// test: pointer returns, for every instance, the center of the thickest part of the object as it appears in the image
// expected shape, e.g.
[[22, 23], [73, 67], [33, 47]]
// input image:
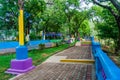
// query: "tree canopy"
[[113, 6], [44, 15]]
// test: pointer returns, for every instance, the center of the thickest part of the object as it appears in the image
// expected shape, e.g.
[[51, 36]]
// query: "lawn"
[[38, 57]]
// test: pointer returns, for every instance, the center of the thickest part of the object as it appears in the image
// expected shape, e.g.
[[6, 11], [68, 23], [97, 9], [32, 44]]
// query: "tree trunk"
[[117, 50], [118, 44], [43, 35], [28, 27], [77, 35]]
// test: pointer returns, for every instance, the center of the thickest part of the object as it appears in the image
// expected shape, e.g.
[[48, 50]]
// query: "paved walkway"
[[53, 69]]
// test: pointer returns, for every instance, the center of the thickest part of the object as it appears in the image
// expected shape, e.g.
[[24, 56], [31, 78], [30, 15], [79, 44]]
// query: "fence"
[[105, 67], [31, 44]]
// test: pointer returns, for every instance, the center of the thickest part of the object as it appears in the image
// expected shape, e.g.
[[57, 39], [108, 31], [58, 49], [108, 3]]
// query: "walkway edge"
[[78, 60]]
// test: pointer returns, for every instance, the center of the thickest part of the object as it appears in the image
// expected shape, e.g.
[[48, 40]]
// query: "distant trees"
[[48, 16]]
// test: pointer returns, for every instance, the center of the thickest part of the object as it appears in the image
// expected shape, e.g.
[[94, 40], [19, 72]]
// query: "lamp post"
[[22, 63]]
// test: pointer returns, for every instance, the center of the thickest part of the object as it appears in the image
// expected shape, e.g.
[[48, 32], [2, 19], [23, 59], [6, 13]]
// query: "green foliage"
[[58, 43], [41, 46], [58, 16], [8, 14], [8, 17], [105, 24], [85, 29], [106, 31], [33, 36], [113, 7], [33, 10]]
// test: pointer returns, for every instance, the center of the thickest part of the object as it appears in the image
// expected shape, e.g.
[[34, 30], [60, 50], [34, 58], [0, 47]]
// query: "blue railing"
[[37, 42], [105, 67], [12, 44]]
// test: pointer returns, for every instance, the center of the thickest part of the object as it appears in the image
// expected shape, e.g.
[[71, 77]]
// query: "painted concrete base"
[[21, 53], [20, 66]]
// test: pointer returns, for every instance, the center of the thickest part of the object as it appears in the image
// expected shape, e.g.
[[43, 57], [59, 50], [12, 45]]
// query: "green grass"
[[58, 40], [4, 65], [38, 57]]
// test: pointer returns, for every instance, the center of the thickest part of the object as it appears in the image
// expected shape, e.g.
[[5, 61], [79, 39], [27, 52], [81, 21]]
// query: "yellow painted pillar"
[[21, 28]]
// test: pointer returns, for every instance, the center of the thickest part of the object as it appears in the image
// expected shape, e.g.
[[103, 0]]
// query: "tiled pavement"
[[59, 71], [81, 52], [55, 70]]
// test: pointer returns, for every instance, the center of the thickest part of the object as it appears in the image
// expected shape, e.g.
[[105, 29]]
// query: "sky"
[[83, 5], [118, 0]]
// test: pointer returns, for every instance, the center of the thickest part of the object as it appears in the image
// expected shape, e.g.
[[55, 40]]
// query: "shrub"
[[58, 43], [41, 46]]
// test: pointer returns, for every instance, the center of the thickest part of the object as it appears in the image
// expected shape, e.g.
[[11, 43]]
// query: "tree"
[[9, 14], [69, 13], [114, 7], [59, 14], [105, 24], [8, 17], [84, 29], [33, 11], [51, 16], [78, 18]]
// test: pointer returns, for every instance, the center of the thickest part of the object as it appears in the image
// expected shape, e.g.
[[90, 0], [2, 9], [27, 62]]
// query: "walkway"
[[53, 69]]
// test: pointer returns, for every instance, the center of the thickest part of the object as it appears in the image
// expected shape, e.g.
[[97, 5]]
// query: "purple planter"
[[20, 66]]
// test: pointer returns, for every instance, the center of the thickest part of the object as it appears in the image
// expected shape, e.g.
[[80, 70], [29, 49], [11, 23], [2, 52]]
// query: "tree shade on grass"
[[38, 57]]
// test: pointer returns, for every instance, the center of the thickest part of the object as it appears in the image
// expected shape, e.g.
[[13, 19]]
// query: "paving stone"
[[54, 70], [82, 52]]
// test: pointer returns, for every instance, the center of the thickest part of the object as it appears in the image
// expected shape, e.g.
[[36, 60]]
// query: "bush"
[[58, 44], [34, 37], [41, 46]]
